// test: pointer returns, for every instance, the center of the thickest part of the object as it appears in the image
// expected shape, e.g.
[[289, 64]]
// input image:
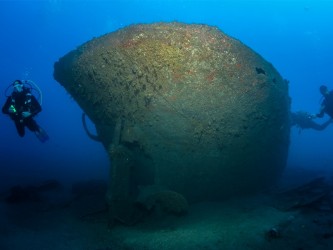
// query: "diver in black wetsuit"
[[304, 120], [327, 103], [22, 106]]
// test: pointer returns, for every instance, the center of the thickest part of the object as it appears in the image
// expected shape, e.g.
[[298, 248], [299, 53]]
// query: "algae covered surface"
[[182, 106]]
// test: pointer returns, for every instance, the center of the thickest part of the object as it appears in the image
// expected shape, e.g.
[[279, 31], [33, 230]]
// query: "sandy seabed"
[[252, 222]]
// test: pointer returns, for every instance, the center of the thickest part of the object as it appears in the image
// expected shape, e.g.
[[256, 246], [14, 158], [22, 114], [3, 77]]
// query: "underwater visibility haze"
[[294, 36], [294, 39]]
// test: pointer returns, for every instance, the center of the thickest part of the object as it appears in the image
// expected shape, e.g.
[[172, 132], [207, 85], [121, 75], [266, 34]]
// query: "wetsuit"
[[22, 102], [327, 105]]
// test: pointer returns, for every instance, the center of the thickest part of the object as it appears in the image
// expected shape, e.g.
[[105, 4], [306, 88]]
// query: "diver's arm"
[[5, 108], [322, 112], [325, 124], [35, 106], [321, 127]]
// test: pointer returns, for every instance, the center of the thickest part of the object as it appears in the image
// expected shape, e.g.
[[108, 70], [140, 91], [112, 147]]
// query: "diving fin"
[[42, 135]]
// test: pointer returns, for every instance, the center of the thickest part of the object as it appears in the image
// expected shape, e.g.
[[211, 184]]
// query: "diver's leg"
[[31, 124], [39, 132], [19, 127], [317, 126]]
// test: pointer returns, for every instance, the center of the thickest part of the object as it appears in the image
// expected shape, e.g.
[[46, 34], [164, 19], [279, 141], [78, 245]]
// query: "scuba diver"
[[327, 103], [22, 107], [304, 120]]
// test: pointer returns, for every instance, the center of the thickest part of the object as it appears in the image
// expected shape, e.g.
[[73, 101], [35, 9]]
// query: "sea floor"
[[252, 222]]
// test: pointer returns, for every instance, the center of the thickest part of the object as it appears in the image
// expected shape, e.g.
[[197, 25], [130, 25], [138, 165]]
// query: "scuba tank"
[[28, 85]]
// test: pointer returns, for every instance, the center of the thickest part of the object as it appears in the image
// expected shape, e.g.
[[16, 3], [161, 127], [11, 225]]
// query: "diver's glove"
[[26, 114]]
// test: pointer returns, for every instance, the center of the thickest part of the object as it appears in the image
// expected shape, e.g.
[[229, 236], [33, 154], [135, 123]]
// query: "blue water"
[[295, 36]]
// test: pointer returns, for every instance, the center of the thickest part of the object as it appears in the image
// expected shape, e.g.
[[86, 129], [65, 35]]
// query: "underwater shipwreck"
[[185, 112]]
